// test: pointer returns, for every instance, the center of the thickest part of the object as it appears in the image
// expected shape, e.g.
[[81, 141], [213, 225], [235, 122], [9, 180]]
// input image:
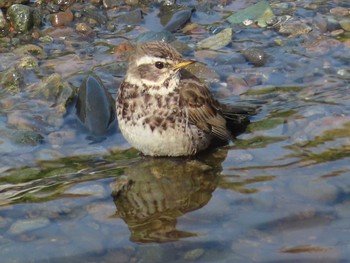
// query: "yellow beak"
[[183, 64]]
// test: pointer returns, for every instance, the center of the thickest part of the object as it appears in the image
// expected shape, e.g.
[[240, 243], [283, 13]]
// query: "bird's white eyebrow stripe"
[[150, 60]]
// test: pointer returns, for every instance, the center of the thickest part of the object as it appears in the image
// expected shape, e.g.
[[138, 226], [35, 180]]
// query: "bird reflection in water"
[[156, 191]]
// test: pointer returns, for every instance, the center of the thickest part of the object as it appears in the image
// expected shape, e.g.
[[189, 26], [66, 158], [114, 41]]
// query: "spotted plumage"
[[162, 109]]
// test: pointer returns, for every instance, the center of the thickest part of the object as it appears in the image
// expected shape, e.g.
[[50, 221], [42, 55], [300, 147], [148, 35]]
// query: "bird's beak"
[[183, 64]]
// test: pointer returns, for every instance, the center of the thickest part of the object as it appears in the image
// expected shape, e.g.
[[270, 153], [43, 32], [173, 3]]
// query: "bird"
[[164, 110]]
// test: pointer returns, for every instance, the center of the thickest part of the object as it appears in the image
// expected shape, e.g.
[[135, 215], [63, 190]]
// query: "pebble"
[[24, 225], [194, 254], [28, 62], [319, 191], [87, 189], [48, 155], [61, 137], [26, 137], [221, 39], [259, 12], [164, 36], [339, 11], [256, 56], [345, 24], [83, 28], [4, 26], [178, 20], [62, 18], [346, 43], [123, 50], [236, 85], [102, 211]]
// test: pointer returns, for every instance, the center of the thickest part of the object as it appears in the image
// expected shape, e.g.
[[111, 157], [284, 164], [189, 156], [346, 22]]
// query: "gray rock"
[[256, 56], [130, 18], [164, 36], [178, 20], [95, 106]]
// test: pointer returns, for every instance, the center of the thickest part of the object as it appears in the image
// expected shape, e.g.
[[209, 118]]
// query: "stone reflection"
[[155, 192]]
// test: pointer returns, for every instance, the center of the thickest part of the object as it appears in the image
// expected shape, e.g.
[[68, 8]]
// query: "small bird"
[[164, 110]]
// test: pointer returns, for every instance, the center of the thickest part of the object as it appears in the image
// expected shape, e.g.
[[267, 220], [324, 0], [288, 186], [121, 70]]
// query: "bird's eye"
[[159, 65]]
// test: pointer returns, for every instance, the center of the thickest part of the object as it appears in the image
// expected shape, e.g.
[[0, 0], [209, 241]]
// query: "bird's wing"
[[203, 109]]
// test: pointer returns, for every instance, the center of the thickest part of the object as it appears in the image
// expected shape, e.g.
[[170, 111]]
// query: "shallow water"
[[278, 193]]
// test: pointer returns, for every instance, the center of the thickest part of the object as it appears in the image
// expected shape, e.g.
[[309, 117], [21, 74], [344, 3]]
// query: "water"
[[278, 193]]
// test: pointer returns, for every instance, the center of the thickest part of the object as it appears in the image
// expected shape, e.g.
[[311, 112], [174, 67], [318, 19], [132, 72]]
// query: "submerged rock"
[[54, 90], [259, 12], [164, 36], [345, 24], [221, 39], [62, 18], [30, 49], [130, 18], [8, 3], [25, 225], [178, 20], [95, 106], [11, 80], [23, 17], [27, 137], [4, 26], [256, 56]]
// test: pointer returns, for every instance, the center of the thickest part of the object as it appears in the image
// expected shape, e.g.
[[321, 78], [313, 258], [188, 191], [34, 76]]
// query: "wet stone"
[[332, 23], [194, 254], [110, 3], [259, 12], [256, 56], [236, 85], [340, 11], [4, 26], [53, 89], [28, 62], [294, 28], [130, 18], [221, 39], [345, 24], [319, 191], [62, 18], [23, 17], [83, 28], [164, 36], [25, 225], [61, 137], [27, 137], [95, 106], [8, 3], [11, 80], [178, 20], [30, 49], [87, 190], [48, 154]]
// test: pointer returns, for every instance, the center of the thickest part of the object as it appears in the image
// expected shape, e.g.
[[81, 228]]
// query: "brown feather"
[[203, 109]]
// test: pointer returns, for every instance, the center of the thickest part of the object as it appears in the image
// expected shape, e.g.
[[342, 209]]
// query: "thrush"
[[163, 109]]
